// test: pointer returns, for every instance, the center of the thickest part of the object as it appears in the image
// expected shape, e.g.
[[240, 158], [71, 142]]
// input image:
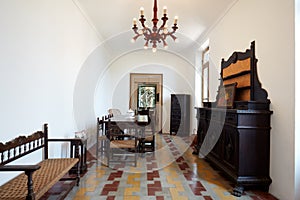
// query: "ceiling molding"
[[87, 18], [204, 36]]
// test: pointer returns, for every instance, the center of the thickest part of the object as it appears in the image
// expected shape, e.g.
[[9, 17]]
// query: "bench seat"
[[51, 171]]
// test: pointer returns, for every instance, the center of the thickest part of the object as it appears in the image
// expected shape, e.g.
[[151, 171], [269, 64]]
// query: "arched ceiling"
[[112, 17]]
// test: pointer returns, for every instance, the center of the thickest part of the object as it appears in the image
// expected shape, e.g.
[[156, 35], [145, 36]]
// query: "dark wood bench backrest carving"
[[23, 145]]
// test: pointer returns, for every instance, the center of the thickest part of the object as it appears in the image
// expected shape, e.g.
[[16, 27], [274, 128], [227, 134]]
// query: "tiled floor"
[[171, 172]]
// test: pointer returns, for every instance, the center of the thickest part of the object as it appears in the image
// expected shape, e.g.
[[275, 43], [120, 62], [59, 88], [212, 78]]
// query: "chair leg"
[[102, 147], [97, 142], [108, 156], [136, 156], [97, 149], [153, 143]]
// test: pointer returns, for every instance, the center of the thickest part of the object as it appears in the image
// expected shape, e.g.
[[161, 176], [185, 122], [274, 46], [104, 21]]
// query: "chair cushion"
[[122, 144], [149, 138]]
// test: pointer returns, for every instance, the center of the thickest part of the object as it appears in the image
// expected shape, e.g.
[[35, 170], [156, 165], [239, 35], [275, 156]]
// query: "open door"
[[146, 93]]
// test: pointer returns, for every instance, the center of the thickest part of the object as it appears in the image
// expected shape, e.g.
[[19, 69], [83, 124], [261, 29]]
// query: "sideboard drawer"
[[231, 118]]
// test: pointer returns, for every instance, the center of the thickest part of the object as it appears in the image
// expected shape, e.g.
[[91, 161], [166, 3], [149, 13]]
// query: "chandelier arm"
[[172, 32], [148, 29], [147, 33], [164, 19], [146, 43], [173, 37], [165, 36], [136, 37], [135, 31], [147, 36], [162, 37], [165, 43], [142, 20], [175, 27], [137, 34], [169, 33], [160, 29], [134, 28]]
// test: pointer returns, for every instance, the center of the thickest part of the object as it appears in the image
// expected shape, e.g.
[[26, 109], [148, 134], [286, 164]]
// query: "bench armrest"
[[20, 168], [28, 169], [65, 140]]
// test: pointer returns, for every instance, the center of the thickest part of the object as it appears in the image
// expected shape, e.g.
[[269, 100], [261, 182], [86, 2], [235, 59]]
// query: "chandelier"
[[155, 34]]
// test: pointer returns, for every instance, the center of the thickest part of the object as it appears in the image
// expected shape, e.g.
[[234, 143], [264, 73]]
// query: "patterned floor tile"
[[170, 173]]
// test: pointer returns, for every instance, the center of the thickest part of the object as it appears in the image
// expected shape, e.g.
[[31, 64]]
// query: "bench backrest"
[[24, 145]]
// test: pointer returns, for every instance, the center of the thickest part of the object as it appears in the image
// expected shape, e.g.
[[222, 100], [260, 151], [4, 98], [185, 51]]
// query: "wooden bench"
[[39, 178]]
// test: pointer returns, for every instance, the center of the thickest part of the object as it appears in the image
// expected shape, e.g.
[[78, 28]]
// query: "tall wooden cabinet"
[[237, 139], [180, 115]]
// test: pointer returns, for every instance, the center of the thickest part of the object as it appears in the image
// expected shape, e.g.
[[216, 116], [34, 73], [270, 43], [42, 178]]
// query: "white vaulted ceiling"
[[114, 17]]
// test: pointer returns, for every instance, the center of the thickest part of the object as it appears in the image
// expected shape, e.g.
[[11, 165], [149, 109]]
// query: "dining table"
[[133, 125]]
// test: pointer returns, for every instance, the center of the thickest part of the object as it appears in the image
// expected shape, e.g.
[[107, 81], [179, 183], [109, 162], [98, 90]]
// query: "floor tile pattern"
[[172, 172]]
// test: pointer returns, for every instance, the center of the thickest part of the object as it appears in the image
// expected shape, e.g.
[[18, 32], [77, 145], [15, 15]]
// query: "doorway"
[[146, 92]]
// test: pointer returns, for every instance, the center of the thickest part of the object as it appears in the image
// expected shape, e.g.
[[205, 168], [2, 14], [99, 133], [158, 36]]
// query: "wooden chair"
[[149, 142], [100, 137], [148, 133], [121, 147], [114, 112]]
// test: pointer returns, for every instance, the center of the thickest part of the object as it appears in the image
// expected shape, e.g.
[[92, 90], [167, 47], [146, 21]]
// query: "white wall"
[[297, 94], [271, 24], [43, 44]]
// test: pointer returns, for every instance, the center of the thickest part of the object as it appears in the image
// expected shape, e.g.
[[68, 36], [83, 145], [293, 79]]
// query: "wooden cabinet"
[[180, 115], [238, 143], [237, 140]]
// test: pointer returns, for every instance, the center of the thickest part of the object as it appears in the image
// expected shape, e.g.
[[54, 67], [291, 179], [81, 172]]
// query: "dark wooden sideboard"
[[236, 140]]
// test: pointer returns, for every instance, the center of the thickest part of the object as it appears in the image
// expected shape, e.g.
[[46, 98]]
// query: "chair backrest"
[[114, 111], [112, 129], [145, 112], [100, 126]]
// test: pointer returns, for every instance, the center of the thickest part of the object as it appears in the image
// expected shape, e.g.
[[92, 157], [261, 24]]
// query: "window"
[[205, 75]]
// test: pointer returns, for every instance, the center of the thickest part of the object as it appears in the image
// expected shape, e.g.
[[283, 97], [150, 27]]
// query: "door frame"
[[148, 78]]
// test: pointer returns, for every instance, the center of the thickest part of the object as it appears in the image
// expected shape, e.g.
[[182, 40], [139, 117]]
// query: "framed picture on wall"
[[226, 95], [146, 96]]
